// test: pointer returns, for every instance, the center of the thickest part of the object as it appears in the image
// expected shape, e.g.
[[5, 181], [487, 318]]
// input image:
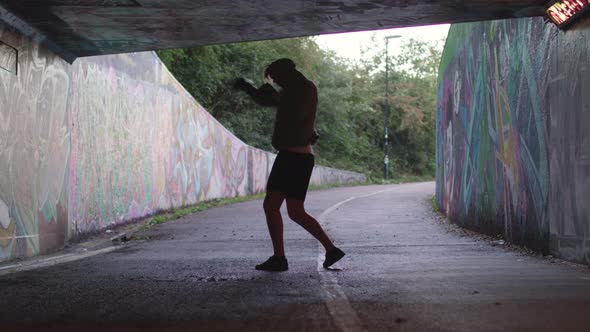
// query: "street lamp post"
[[386, 146]]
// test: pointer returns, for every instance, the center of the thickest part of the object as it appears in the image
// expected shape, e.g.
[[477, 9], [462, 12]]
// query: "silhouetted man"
[[293, 137]]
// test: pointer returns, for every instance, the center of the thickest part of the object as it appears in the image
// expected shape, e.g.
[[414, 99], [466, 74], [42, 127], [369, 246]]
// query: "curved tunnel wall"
[[513, 145], [107, 140]]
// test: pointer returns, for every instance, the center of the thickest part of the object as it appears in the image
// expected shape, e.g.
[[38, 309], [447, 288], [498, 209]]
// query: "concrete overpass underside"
[[76, 28]]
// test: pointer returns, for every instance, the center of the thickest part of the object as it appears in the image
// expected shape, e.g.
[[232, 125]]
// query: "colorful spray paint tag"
[[565, 12]]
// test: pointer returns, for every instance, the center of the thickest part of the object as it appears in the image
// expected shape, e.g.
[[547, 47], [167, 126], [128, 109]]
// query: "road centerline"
[[339, 307]]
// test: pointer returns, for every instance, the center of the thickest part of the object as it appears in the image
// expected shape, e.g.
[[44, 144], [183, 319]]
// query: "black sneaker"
[[332, 256], [275, 264]]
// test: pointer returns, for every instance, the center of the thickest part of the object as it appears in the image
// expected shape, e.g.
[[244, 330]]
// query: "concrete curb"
[[38, 263], [92, 247]]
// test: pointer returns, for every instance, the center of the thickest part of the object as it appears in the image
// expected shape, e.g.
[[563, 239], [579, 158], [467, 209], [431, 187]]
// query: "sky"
[[348, 45]]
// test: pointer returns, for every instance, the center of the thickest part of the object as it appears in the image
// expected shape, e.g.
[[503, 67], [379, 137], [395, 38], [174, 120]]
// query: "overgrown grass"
[[337, 185], [178, 213], [434, 204], [403, 178]]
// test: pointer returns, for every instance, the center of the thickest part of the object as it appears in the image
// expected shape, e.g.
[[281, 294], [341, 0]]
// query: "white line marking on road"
[[337, 303], [50, 261]]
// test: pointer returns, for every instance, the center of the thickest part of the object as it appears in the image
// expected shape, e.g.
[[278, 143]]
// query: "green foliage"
[[351, 99], [434, 205], [178, 213]]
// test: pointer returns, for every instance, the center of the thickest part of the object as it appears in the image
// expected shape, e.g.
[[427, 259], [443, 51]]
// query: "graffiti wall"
[[569, 144], [107, 140], [34, 150], [140, 144], [510, 101]]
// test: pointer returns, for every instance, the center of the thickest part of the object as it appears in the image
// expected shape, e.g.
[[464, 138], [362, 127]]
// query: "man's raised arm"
[[266, 95]]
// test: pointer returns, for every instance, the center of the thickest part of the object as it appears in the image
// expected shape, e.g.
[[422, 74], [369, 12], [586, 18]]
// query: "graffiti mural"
[[512, 153], [492, 159], [34, 150], [259, 163], [123, 166], [107, 140], [569, 146]]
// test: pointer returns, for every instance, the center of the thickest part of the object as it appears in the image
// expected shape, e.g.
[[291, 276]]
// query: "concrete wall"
[[513, 150], [106, 140]]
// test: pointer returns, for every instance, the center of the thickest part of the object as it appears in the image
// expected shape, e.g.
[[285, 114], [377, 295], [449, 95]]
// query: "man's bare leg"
[[298, 214], [272, 210]]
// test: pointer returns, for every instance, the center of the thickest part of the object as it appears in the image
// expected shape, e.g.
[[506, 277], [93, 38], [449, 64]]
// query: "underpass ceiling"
[[75, 28]]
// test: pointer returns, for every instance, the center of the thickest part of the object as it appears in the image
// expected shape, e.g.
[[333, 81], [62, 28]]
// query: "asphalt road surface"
[[405, 270]]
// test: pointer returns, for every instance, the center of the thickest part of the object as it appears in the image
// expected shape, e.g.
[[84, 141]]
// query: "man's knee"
[[296, 212]]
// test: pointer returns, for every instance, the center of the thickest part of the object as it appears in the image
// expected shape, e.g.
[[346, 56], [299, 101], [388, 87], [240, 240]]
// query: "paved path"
[[404, 271]]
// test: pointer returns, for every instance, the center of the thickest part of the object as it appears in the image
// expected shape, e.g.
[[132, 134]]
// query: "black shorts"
[[290, 174]]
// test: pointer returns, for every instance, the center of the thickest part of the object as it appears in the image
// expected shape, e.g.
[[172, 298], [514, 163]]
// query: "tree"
[[351, 99]]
